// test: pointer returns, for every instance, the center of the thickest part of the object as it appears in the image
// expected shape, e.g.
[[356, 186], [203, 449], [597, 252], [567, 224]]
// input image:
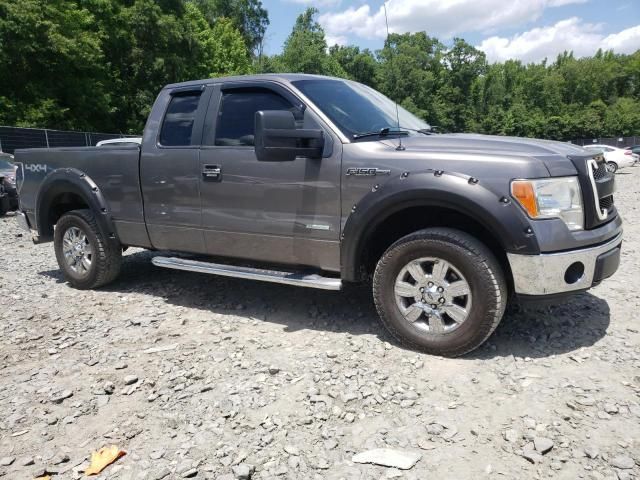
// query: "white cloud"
[[571, 34], [317, 3], [439, 18], [562, 3], [337, 40]]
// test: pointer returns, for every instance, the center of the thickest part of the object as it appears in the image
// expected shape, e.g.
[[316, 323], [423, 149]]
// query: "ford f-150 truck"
[[317, 182]]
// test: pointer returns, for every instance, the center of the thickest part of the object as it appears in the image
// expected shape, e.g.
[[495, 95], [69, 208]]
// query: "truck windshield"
[[357, 109]]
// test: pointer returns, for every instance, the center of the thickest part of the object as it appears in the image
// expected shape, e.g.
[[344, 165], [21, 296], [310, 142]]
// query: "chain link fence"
[[620, 142], [12, 138]]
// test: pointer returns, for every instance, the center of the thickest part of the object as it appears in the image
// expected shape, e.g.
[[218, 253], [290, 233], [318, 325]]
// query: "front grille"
[[602, 184], [597, 185], [606, 203], [601, 171]]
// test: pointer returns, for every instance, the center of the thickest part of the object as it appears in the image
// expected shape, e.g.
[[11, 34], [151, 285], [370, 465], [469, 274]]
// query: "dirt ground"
[[197, 376]]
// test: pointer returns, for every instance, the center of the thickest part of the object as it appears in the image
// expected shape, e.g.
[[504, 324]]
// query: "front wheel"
[[612, 167], [440, 291], [87, 259]]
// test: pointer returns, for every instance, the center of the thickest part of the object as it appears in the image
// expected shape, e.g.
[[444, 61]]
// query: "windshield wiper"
[[383, 132]]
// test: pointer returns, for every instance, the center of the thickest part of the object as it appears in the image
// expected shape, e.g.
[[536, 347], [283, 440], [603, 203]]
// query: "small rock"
[[192, 472], [542, 444], [6, 461], [60, 458], [511, 435], [109, 388], [622, 462], [435, 429], [160, 474], [156, 454], [532, 455], [62, 396], [243, 471], [130, 379], [591, 451], [292, 450], [320, 463], [330, 443], [388, 458], [26, 461], [273, 369]]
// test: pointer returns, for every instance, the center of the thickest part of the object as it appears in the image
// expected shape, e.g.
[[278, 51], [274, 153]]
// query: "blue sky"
[[529, 30]]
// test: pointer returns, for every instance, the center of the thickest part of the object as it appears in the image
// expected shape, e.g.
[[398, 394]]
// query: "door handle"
[[212, 173]]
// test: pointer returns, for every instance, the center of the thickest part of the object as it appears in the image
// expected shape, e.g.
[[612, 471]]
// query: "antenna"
[[391, 57]]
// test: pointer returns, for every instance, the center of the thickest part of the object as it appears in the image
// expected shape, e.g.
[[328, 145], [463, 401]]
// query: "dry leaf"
[[46, 477], [103, 458]]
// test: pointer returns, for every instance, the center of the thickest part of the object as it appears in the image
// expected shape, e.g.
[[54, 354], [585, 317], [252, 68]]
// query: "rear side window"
[[236, 117], [178, 121]]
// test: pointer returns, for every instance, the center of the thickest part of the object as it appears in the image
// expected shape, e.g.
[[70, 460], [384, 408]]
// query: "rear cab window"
[[177, 126]]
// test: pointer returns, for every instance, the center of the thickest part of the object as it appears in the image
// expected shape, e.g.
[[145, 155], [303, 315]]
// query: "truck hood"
[[554, 155]]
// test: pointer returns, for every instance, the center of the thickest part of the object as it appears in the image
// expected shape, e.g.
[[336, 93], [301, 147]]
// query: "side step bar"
[[287, 278]]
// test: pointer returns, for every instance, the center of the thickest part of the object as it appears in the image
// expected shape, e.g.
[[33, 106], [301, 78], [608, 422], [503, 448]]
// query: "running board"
[[287, 278]]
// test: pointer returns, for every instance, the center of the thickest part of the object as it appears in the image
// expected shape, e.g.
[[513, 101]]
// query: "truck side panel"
[[115, 170]]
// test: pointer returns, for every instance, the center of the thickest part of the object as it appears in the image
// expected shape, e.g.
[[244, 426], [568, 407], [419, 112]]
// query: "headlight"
[[551, 198]]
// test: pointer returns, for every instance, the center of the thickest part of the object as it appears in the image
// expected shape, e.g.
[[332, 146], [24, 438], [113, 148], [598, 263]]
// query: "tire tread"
[[489, 269], [108, 252]]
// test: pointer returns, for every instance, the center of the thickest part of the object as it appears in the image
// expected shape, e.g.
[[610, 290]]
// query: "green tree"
[[305, 50], [409, 68], [228, 53], [248, 16], [359, 65], [53, 69]]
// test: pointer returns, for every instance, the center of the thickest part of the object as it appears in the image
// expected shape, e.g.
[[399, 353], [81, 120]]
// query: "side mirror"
[[278, 140]]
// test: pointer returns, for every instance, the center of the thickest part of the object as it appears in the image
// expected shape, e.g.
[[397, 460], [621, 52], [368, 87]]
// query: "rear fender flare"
[[71, 180]]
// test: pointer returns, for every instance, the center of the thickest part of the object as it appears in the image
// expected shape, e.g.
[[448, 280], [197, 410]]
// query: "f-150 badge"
[[366, 172]]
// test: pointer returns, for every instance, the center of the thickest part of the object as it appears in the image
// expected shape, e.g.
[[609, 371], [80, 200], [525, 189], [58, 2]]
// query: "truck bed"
[[115, 170]]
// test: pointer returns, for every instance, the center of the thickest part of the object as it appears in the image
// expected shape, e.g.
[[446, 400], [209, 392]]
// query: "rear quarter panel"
[[114, 169]]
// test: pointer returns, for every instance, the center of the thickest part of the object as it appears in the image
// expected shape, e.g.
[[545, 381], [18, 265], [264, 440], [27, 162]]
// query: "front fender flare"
[[71, 180], [433, 188]]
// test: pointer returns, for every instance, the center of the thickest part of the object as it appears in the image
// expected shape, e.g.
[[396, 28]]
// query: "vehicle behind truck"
[[320, 182]]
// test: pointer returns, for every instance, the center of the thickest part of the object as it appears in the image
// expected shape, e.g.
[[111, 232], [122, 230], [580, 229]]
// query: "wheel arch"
[[431, 199], [67, 189]]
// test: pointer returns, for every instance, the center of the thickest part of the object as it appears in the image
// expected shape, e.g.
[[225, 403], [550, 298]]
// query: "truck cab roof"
[[277, 77]]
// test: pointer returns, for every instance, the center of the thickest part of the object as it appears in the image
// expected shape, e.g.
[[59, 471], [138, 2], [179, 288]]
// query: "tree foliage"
[[248, 16], [98, 64], [305, 50]]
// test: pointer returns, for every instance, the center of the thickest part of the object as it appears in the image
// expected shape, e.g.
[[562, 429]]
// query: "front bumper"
[[564, 272]]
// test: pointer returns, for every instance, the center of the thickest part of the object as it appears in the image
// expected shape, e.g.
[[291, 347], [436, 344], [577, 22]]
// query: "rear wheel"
[[440, 291], [86, 258], [612, 167]]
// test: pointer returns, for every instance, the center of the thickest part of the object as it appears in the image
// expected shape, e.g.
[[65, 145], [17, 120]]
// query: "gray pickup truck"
[[317, 182]]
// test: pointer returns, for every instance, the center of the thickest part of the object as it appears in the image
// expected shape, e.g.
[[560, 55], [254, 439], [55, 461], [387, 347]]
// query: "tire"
[[101, 257], [468, 266], [612, 167]]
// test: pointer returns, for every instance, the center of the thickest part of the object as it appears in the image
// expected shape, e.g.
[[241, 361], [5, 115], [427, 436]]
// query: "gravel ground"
[[196, 376]]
